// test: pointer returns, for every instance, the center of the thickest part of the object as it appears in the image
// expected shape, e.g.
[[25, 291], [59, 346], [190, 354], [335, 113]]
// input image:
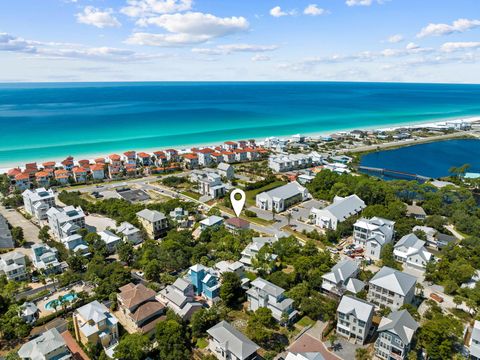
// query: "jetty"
[[394, 173]]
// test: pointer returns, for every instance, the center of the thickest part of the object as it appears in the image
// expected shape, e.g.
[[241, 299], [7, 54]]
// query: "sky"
[[240, 40]]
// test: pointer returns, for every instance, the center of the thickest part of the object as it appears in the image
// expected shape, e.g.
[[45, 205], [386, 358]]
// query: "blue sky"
[[149, 40]]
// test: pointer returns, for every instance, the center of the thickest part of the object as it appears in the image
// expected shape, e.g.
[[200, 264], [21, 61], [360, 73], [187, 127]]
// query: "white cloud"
[[96, 17], [395, 38], [314, 10], [231, 48], [188, 28], [278, 12], [457, 46], [259, 57], [458, 26], [362, 2], [412, 46], [145, 8]]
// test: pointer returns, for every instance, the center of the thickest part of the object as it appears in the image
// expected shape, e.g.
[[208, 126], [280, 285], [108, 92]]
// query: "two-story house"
[[354, 319], [336, 280], [13, 266], [395, 334], [411, 251], [37, 202], [372, 234], [130, 233], [391, 288], [180, 297], [263, 293], [281, 198], [140, 308], [154, 222], [227, 343], [48, 346]]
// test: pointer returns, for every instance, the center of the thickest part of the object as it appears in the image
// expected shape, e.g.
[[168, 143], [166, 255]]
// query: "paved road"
[[30, 231]]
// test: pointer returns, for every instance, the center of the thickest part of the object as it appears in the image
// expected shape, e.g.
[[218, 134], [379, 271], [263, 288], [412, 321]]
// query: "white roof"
[[361, 309], [343, 208], [108, 237], [394, 280], [305, 356], [400, 323], [342, 271], [212, 220], [151, 215], [284, 192], [233, 340], [37, 348]]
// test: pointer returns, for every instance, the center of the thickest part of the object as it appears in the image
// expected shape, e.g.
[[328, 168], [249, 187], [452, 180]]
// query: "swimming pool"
[[67, 297]]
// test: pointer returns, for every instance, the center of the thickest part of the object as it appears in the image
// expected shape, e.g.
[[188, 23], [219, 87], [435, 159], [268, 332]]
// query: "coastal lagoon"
[[51, 121], [431, 159]]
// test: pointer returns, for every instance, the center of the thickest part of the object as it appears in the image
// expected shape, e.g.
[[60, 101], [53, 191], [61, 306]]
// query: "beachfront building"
[[140, 308], [372, 235], [130, 233], [340, 210], [354, 319], [42, 178], [37, 202], [22, 181], [395, 335], [129, 157], [154, 222], [251, 250], [44, 259], [336, 280], [228, 157], [204, 156], [179, 297], [80, 174], [391, 288], [110, 239], [95, 324], [62, 176], [98, 171], [226, 170], [144, 159], [410, 250], [289, 162], [211, 185], [263, 293], [65, 221], [48, 346], [13, 266], [281, 198], [191, 161], [227, 343], [474, 343], [114, 166], [6, 239]]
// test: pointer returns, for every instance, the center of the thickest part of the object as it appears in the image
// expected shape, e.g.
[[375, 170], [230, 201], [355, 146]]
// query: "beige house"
[[154, 222], [95, 324]]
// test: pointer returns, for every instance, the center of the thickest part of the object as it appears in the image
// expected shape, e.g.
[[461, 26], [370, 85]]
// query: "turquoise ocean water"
[[51, 121]]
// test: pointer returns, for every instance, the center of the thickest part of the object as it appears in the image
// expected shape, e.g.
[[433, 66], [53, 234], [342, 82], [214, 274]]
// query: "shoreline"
[[186, 147]]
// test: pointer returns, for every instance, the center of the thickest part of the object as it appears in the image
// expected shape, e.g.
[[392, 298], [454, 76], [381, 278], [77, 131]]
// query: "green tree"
[[17, 235], [173, 342], [44, 234], [231, 291], [439, 336], [362, 354], [132, 347], [387, 257], [126, 252]]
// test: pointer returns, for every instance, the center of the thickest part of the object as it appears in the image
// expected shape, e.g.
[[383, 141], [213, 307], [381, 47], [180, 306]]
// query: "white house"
[[391, 288], [282, 197], [395, 334], [37, 202], [44, 258], [211, 221], [110, 239], [354, 319], [251, 250], [336, 280], [65, 221], [76, 244], [474, 343], [227, 343], [130, 233], [179, 297], [411, 251], [48, 346], [211, 185], [13, 266], [363, 229], [226, 170], [340, 210]]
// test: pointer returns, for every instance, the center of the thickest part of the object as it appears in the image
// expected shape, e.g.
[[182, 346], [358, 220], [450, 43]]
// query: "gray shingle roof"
[[233, 340], [361, 309], [268, 287], [343, 208], [394, 280], [151, 215], [342, 271], [400, 323], [285, 192]]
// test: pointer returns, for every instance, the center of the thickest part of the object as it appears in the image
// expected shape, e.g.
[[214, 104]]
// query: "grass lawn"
[[305, 321], [255, 220], [191, 194], [202, 343], [251, 194], [250, 275]]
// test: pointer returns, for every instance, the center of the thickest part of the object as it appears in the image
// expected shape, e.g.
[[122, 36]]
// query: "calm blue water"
[[432, 159], [51, 121]]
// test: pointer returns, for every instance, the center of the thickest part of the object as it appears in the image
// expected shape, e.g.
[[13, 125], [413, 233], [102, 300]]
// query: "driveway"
[[30, 231]]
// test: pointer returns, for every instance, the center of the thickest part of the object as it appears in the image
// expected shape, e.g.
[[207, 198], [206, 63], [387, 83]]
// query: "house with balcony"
[[13, 266], [191, 161], [391, 288], [154, 222], [211, 221], [251, 250], [98, 171], [129, 157], [411, 251], [130, 233], [211, 185], [240, 155], [68, 163], [48, 346], [354, 319], [37, 202], [230, 145], [205, 282], [80, 174], [474, 342], [22, 181], [281, 198], [65, 221], [335, 281], [44, 259], [180, 298], [95, 324], [204, 156], [226, 170], [76, 244], [110, 239], [140, 308], [144, 159], [340, 210], [395, 335], [364, 229], [228, 157], [62, 176], [227, 343], [42, 178], [263, 293], [29, 312]]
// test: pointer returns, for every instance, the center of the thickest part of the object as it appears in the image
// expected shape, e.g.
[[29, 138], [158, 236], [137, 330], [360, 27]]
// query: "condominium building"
[[391, 288], [37, 202], [354, 319], [281, 198]]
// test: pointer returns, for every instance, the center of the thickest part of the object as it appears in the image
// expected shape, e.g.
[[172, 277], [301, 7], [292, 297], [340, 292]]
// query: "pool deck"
[[41, 304]]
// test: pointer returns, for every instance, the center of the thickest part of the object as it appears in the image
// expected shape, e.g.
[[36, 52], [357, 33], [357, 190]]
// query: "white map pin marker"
[[237, 204]]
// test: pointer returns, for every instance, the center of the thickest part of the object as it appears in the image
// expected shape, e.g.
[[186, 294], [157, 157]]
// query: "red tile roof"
[[96, 167], [84, 163], [49, 164], [31, 166], [227, 153], [230, 143], [159, 153], [190, 156], [130, 153], [143, 155], [100, 160], [79, 170], [14, 172], [114, 157], [22, 176], [41, 174], [206, 151]]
